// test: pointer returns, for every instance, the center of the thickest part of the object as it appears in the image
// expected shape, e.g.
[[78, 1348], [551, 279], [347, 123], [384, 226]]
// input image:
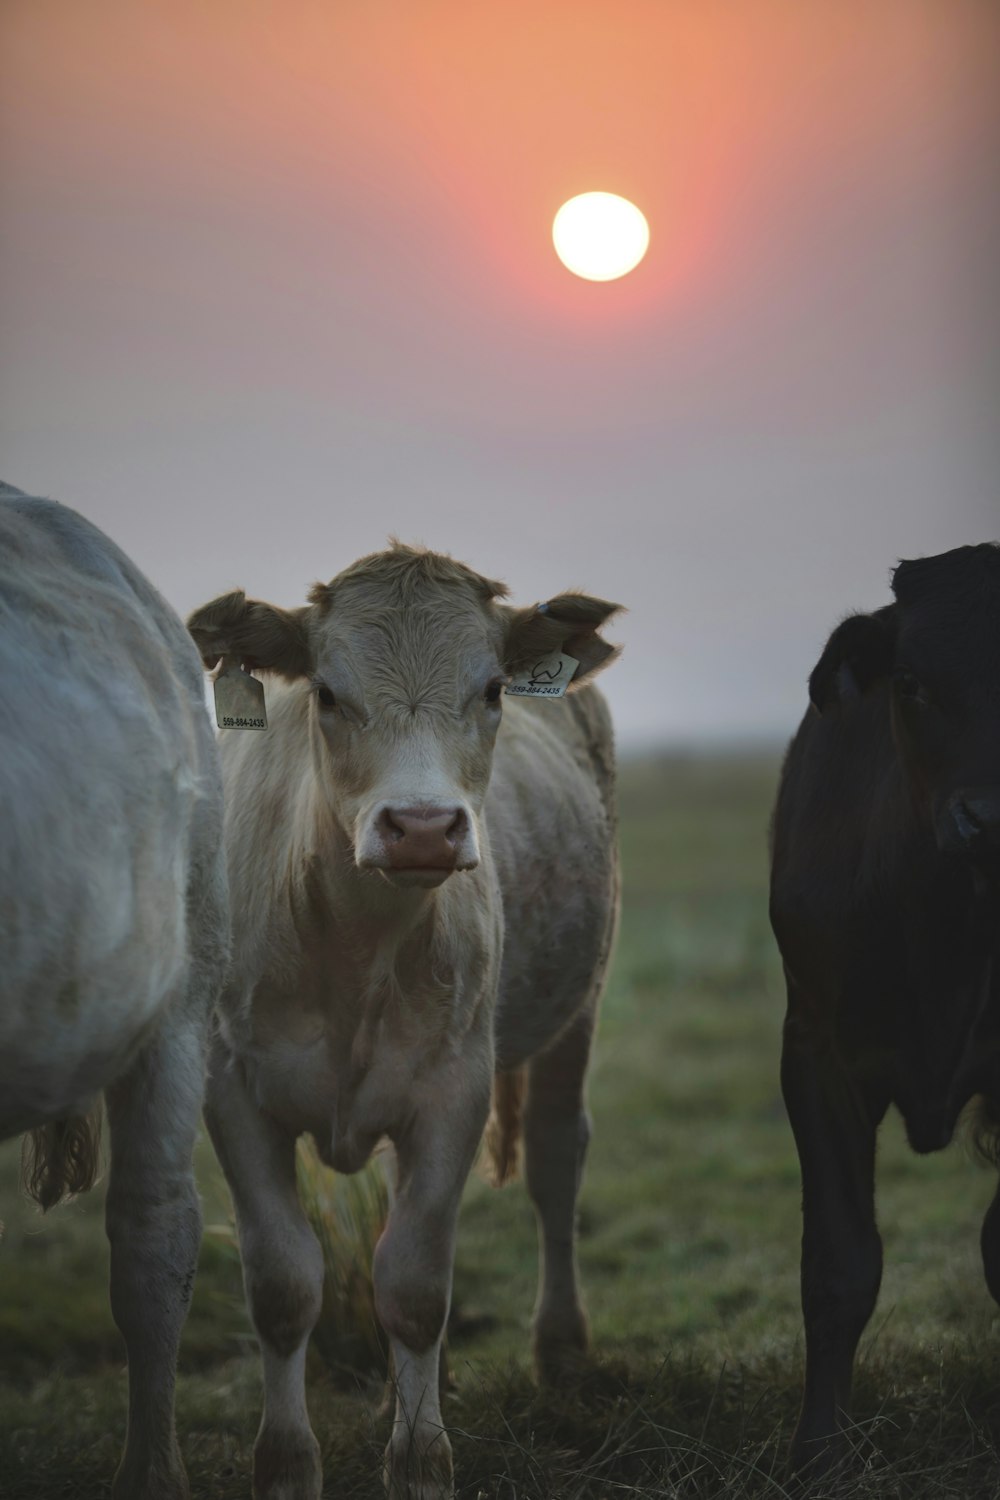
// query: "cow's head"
[[405, 656], [936, 651]]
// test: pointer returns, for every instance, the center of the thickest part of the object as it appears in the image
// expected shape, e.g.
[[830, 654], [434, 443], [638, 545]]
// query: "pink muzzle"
[[422, 838]]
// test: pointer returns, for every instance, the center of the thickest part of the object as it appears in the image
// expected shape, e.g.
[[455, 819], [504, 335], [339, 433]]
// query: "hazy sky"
[[278, 280]]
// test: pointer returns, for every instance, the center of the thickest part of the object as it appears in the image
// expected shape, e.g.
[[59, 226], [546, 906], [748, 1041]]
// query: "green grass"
[[688, 1248]]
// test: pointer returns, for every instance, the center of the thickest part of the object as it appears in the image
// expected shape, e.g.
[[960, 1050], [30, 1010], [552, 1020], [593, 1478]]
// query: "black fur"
[[885, 901]]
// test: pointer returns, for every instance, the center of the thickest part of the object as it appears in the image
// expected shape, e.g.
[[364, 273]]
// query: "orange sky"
[[245, 240], [709, 115]]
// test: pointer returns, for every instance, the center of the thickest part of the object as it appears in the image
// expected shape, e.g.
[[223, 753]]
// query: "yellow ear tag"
[[239, 698], [548, 677]]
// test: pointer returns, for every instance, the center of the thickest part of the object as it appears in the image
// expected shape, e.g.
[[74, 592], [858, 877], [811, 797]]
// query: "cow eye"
[[325, 697], [908, 686], [493, 690]]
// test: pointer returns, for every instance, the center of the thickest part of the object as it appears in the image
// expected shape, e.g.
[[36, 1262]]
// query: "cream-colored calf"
[[113, 923], [422, 895]]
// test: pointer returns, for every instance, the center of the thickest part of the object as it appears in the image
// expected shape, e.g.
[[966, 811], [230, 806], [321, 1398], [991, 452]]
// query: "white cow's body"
[[307, 925], [362, 1007], [113, 917]]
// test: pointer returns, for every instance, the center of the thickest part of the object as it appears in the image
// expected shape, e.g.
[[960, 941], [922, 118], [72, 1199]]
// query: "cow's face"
[[937, 651], [407, 679], [405, 656]]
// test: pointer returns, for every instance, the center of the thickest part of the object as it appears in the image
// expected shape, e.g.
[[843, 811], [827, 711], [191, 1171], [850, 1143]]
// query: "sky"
[[277, 281]]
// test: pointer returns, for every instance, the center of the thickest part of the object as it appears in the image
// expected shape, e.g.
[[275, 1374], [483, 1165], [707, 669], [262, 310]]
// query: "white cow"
[[374, 991], [113, 923]]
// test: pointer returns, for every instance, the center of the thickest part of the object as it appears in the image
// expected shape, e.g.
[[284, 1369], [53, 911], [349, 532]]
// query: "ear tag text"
[[239, 699], [548, 677]]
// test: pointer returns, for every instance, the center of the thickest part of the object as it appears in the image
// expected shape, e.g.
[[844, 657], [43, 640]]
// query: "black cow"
[[885, 901]]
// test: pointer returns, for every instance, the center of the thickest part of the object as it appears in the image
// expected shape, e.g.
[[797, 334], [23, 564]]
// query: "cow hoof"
[[561, 1352], [286, 1466], [143, 1480], [815, 1459], [415, 1471]]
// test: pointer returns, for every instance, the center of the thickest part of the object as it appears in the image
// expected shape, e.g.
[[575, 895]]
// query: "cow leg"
[[153, 1221], [556, 1136], [413, 1273], [834, 1127], [282, 1273], [387, 1402]]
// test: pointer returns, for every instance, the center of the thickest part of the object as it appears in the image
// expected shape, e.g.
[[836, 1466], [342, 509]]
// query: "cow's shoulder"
[[593, 736], [90, 654], [58, 540], [552, 754], [844, 832], [57, 565]]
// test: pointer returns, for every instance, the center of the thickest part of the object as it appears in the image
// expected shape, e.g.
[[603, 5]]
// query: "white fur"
[[359, 1009], [113, 917]]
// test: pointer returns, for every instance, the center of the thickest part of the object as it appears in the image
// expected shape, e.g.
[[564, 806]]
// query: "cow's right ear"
[[859, 651], [262, 636], [571, 623]]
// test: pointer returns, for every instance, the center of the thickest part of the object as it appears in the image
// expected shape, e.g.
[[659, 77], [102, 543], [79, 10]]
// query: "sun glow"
[[600, 236]]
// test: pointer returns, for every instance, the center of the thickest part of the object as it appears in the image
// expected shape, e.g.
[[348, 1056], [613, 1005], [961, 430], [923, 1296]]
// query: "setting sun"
[[600, 236]]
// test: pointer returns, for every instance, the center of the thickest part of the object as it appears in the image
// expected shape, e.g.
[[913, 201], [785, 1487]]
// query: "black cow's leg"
[[834, 1126]]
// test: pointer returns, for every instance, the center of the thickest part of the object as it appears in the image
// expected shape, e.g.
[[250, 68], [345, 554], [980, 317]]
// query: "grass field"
[[689, 1232]]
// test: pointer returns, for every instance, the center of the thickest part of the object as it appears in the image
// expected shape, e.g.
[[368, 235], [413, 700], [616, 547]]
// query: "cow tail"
[[62, 1158], [503, 1128]]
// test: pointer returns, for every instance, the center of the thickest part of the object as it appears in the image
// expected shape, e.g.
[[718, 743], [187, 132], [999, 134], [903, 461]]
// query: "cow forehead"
[[949, 608], [408, 624], [425, 652], [960, 625], [954, 647], [416, 635], [963, 571], [402, 575]]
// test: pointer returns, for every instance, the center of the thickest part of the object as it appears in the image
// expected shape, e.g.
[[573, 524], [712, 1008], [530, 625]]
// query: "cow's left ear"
[[858, 653], [570, 623], [259, 635]]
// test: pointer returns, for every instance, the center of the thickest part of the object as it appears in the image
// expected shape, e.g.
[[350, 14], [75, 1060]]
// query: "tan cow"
[[113, 923], [405, 923]]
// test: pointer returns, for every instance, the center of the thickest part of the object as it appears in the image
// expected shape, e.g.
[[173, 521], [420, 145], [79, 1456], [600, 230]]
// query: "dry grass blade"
[[348, 1215]]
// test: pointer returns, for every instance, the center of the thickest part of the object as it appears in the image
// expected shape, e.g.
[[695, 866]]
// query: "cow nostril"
[[389, 828], [971, 823], [457, 828], [966, 822]]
